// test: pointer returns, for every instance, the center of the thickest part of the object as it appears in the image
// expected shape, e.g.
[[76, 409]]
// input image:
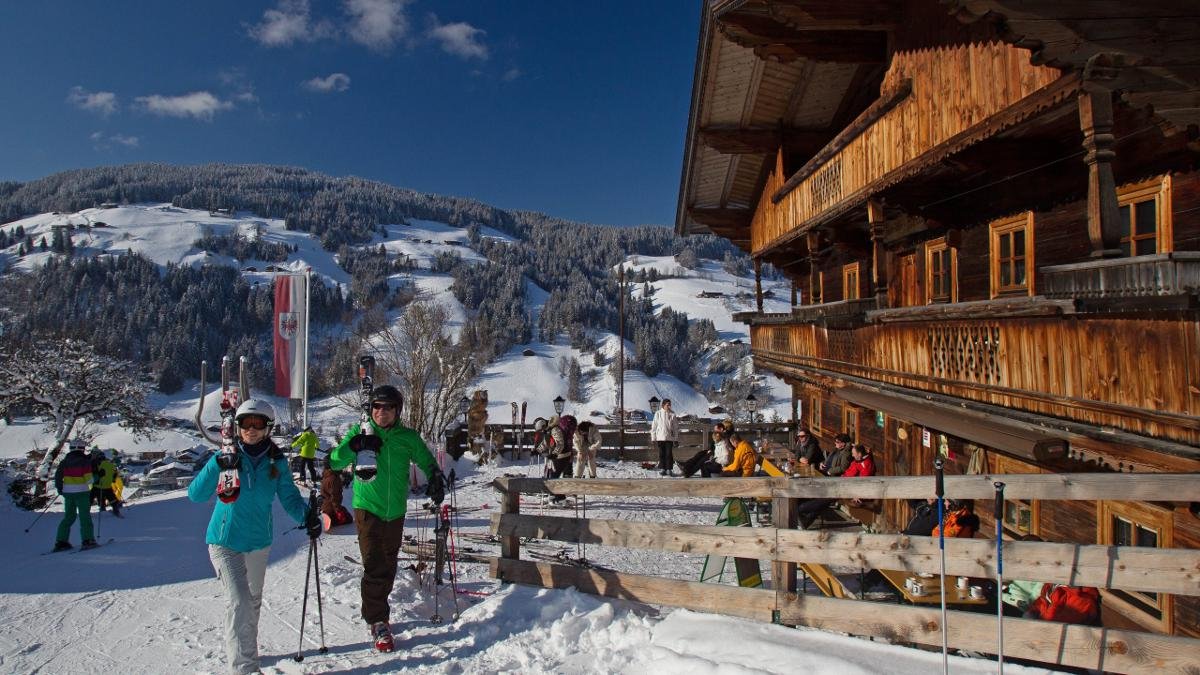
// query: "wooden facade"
[[996, 251]]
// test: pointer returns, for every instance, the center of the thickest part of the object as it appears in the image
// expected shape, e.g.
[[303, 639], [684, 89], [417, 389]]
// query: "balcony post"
[[813, 296], [758, 284], [1103, 213], [878, 253]]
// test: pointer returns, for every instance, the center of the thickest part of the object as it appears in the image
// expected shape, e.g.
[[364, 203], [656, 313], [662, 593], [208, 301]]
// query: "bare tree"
[[430, 368], [68, 384]]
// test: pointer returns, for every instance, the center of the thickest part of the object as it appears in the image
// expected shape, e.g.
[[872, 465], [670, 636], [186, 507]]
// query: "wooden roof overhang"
[[772, 75]]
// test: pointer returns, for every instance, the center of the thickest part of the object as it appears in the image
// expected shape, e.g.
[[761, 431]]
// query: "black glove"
[[362, 442], [227, 461], [436, 489], [312, 524]]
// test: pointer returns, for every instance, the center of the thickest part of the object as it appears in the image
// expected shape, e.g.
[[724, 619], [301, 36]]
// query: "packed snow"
[[148, 601]]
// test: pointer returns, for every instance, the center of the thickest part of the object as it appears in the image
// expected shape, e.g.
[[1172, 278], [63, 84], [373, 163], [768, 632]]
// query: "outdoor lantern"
[[558, 404], [654, 403]]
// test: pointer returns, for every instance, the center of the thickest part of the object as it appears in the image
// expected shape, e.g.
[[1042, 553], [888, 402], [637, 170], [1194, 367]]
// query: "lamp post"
[[559, 402], [752, 405], [621, 360]]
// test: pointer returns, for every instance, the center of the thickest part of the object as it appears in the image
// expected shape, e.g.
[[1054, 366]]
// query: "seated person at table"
[[1066, 604], [839, 460], [861, 464], [1018, 595], [807, 449], [709, 461], [961, 520], [744, 458], [924, 518]]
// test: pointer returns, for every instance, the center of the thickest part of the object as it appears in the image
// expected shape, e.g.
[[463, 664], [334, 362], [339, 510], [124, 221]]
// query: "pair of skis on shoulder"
[[229, 484]]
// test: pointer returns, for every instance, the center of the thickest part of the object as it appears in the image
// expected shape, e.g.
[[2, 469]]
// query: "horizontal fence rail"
[[1142, 569]]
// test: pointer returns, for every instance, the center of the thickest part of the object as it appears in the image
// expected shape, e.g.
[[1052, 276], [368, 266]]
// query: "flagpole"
[[307, 306]]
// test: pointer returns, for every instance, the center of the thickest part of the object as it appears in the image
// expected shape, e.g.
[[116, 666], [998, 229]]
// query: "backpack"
[[567, 424]]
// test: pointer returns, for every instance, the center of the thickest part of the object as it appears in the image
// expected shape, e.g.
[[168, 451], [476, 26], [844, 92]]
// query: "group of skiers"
[[82, 479], [239, 534], [568, 446]]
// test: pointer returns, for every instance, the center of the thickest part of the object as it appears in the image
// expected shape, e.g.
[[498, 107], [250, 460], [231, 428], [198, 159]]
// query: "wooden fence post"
[[784, 515], [510, 502]]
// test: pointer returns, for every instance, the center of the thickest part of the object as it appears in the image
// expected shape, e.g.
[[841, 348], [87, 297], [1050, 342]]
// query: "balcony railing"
[[1146, 276]]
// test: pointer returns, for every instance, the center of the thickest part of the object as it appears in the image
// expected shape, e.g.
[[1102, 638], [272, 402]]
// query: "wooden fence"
[[1175, 571], [693, 437]]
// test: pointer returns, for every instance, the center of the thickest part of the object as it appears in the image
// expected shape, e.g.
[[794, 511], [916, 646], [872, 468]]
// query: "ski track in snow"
[[150, 603]]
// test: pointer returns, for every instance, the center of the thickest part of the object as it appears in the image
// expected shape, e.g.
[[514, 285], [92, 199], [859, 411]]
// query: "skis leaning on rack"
[[365, 461], [444, 554], [229, 484]]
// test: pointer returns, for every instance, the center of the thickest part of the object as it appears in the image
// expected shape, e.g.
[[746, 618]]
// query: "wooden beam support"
[[773, 40], [758, 293], [718, 218], [875, 219], [733, 140], [1103, 214], [815, 294], [1148, 487]]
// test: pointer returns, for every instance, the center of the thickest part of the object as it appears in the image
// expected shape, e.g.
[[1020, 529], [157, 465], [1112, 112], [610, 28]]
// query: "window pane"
[[1122, 532], [1147, 246], [1125, 248], [1005, 274], [1146, 537], [1026, 520], [1005, 247], [1146, 217], [1019, 273], [1124, 220], [1019, 242]]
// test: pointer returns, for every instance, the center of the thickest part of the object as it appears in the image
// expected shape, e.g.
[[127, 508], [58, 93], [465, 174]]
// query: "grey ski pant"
[[242, 575]]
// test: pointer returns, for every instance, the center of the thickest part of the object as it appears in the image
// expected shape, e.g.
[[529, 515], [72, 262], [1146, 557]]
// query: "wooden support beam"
[[748, 603], [1047, 642], [875, 219], [721, 218], [784, 514], [733, 140], [774, 40], [1183, 487], [1103, 214], [758, 293], [1149, 570]]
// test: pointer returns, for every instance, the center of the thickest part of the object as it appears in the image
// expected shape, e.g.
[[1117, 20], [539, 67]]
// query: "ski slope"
[[149, 603]]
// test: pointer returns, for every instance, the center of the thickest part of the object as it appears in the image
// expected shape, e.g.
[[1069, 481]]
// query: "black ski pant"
[[107, 496], [560, 467], [379, 542], [311, 464], [666, 455]]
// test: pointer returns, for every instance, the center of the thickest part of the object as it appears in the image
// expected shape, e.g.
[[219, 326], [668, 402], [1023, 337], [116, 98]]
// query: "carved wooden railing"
[[1151, 570], [1146, 276]]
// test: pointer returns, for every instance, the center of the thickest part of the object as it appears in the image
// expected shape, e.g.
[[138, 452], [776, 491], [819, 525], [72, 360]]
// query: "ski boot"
[[88, 544], [62, 546], [383, 636]]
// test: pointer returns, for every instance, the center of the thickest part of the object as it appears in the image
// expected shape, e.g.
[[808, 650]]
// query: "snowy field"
[[148, 603]]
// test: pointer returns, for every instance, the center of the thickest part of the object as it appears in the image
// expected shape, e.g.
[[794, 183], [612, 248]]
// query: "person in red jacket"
[[1067, 604], [861, 464]]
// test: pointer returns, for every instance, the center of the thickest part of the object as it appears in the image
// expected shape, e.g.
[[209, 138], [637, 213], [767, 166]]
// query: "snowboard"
[[733, 514]]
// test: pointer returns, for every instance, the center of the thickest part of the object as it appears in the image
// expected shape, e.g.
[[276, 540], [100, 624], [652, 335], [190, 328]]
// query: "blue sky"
[[577, 109]]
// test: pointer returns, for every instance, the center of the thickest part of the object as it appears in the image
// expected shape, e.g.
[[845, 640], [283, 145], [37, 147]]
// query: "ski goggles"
[[253, 423], [383, 406]]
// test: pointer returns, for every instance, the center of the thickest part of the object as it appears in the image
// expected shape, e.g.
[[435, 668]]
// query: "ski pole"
[[304, 605], [320, 609], [999, 514], [940, 491], [39, 516]]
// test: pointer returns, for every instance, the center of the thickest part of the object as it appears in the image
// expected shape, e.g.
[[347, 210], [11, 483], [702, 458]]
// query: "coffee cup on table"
[[963, 583], [977, 592]]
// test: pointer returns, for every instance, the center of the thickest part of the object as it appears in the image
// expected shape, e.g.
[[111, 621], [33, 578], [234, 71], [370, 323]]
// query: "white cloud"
[[197, 104], [236, 81], [289, 22], [461, 39], [332, 83], [511, 74], [103, 102], [378, 24], [102, 141]]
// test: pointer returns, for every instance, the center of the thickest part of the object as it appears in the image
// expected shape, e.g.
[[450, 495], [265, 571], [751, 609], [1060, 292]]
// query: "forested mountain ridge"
[[169, 320]]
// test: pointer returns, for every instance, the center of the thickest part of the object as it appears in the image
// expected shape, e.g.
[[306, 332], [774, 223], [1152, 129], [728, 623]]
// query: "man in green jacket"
[[308, 443], [380, 503]]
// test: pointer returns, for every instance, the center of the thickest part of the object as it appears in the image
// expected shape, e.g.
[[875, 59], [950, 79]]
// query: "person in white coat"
[[587, 444], [664, 431]]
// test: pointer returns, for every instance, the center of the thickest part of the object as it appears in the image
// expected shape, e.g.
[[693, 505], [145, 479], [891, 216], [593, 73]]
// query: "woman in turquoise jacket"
[[240, 532]]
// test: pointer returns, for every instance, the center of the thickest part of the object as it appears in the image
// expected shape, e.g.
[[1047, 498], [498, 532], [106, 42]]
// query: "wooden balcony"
[[841, 313], [933, 103], [1121, 374], [1164, 275]]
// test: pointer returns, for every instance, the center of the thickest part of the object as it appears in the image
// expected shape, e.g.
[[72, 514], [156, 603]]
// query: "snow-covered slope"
[[149, 603]]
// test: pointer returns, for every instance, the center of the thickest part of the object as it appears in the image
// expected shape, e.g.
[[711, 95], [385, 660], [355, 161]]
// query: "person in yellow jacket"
[[105, 476], [308, 443], [744, 458]]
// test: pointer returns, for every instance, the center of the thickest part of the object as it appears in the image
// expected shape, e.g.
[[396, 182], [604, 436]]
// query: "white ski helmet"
[[255, 406]]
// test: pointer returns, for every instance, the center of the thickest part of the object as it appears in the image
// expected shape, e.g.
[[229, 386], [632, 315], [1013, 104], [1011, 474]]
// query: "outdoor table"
[[932, 596]]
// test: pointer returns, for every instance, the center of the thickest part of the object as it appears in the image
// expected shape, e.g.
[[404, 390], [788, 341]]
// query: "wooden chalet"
[[989, 211]]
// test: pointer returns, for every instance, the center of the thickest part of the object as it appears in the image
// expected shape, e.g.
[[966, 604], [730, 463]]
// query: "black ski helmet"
[[388, 394]]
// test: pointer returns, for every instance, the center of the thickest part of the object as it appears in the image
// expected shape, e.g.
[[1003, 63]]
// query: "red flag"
[[291, 334]]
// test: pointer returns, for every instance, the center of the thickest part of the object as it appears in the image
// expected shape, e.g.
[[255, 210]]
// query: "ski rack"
[[243, 385]]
